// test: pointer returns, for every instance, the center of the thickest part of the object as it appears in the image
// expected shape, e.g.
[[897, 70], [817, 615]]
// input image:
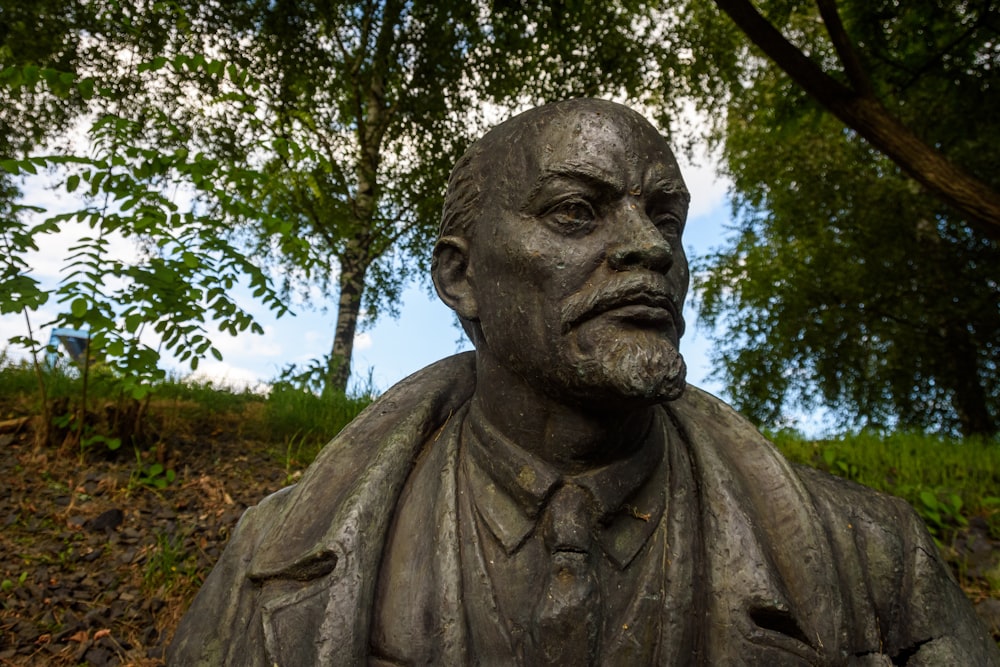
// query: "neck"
[[570, 436]]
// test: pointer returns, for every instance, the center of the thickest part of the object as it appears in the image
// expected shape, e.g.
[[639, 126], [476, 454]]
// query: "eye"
[[571, 215], [668, 223]]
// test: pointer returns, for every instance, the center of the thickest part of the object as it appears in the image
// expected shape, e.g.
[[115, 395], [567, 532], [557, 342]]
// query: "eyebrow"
[[577, 172], [671, 188]]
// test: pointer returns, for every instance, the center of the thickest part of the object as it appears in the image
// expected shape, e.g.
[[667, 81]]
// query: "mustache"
[[625, 291]]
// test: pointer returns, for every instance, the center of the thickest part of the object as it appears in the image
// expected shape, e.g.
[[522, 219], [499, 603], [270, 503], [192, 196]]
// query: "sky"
[[385, 351]]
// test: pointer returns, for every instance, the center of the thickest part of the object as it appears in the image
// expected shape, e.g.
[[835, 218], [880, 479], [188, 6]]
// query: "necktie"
[[567, 617]]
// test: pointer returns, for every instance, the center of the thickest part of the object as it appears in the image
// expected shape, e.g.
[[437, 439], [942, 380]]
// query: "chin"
[[643, 367]]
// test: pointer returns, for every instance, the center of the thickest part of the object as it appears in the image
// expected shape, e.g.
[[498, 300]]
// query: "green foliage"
[[368, 105], [154, 475], [212, 396], [7, 585], [947, 481], [318, 141], [289, 414], [186, 268], [295, 415], [181, 278], [845, 285], [166, 562], [941, 511]]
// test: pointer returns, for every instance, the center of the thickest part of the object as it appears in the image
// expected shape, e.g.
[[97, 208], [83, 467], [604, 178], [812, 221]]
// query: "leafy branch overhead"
[[315, 138], [848, 285], [183, 275], [849, 92], [366, 106]]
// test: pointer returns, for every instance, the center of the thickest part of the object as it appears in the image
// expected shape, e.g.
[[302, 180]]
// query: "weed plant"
[[289, 416], [213, 396]]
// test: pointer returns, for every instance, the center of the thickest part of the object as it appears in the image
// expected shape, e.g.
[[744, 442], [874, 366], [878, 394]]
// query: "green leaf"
[[86, 88], [72, 182], [79, 308], [30, 74], [929, 500]]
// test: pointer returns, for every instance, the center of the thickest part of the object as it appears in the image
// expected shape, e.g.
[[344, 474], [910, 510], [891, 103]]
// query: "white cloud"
[[708, 190], [247, 343], [362, 341], [313, 336], [222, 374]]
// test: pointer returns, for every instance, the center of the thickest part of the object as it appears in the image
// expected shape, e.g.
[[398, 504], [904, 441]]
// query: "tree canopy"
[[849, 284], [367, 105], [329, 126]]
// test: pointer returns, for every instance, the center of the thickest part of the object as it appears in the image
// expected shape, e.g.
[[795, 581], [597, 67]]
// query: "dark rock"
[[108, 520], [97, 656], [97, 618], [130, 535], [149, 636]]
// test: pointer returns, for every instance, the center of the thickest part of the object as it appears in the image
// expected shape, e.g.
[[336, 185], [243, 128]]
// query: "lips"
[[643, 306]]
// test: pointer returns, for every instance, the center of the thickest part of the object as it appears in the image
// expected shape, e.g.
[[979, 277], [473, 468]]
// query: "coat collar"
[[512, 486]]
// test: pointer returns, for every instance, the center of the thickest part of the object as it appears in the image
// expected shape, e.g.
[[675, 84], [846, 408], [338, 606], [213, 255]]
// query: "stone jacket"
[[800, 568]]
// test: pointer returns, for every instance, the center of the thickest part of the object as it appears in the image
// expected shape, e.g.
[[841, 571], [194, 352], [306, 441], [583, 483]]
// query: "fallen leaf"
[[80, 636], [103, 632]]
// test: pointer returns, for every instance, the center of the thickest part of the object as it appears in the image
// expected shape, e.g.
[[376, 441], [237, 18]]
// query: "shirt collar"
[[511, 487]]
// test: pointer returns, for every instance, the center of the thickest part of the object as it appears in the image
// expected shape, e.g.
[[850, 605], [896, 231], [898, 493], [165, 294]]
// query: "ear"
[[452, 275]]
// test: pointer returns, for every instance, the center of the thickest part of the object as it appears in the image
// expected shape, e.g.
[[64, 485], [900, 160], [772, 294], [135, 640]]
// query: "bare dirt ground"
[[97, 564]]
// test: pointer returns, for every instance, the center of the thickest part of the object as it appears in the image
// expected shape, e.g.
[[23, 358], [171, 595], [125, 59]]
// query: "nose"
[[640, 244]]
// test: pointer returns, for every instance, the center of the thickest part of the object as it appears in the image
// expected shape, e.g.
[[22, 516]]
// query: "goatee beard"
[[643, 366]]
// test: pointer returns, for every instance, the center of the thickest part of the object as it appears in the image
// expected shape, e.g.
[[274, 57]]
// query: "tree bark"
[[969, 396], [352, 285], [869, 118], [373, 115]]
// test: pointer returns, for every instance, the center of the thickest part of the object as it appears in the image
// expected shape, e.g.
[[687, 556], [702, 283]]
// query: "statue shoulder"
[[879, 539]]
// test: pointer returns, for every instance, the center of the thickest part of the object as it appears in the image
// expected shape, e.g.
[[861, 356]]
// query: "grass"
[[948, 481], [296, 421], [166, 562]]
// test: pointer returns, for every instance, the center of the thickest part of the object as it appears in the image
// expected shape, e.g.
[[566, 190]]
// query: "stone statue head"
[[560, 251]]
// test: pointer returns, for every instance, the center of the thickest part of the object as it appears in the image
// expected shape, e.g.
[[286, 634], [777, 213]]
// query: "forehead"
[[620, 149]]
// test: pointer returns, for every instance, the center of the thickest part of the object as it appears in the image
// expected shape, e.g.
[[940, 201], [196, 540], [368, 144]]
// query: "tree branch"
[[866, 115], [853, 67]]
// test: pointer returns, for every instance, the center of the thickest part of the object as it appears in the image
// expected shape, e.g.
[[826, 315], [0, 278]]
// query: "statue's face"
[[578, 269]]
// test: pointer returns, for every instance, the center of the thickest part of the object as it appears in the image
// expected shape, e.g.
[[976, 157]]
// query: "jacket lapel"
[[772, 593], [318, 566]]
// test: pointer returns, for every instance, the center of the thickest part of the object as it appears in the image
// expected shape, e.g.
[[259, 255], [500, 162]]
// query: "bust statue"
[[561, 496]]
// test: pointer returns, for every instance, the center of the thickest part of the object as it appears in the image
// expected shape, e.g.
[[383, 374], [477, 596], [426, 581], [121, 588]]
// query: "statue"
[[561, 496]]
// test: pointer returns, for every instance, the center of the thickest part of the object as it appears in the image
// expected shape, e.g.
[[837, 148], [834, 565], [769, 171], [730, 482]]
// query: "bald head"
[[504, 164]]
